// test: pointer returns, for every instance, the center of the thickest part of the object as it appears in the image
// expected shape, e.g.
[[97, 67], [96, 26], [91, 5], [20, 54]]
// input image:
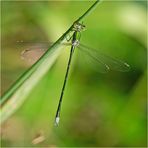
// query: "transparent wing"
[[32, 51], [89, 61], [104, 60]]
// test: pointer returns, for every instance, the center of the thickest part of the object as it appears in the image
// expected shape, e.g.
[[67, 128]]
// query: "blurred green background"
[[98, 109]]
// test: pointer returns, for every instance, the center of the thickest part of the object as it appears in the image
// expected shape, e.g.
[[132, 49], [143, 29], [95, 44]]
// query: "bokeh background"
[[99, 110]]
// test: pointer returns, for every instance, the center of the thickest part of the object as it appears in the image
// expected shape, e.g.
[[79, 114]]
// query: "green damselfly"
[[105, 62]]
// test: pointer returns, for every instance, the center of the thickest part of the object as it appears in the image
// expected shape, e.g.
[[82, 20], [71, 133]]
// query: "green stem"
[[11, 91], [88, 11]]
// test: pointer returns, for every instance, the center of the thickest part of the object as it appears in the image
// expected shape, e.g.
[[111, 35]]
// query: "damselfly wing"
[[33, 51]]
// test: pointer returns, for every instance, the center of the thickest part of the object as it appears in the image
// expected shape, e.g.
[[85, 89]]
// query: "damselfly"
[[105, 62]]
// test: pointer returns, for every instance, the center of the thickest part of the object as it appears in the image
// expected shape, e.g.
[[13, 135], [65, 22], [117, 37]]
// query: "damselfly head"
[[78, 27]]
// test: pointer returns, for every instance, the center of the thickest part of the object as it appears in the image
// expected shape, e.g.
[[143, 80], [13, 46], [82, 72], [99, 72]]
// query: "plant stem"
[[88, 11], [25, 76]]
